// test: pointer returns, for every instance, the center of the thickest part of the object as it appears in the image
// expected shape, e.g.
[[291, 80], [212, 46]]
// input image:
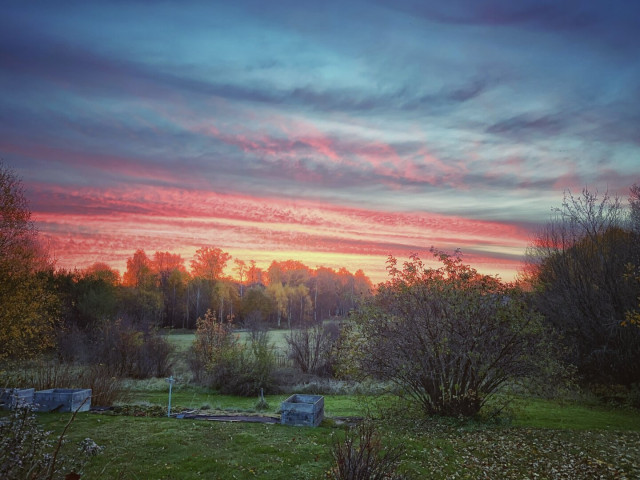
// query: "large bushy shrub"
[[585, 269], [448, 337], [312, 348], [219, 360]]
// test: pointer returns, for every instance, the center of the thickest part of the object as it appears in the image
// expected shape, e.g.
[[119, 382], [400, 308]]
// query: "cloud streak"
[[172, 219]]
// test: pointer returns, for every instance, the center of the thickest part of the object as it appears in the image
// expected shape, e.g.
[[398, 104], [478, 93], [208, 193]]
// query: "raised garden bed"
[[302, 410], [62, 400], [10, 398]]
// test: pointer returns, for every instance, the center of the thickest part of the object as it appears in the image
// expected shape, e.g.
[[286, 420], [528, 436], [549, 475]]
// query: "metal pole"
[[171, 380]]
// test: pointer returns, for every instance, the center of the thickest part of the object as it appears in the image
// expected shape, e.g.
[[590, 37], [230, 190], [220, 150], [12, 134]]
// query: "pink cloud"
[[91, 224], [302, 138]]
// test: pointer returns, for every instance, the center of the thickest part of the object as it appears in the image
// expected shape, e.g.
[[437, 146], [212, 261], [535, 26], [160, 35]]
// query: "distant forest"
[[160, 290]]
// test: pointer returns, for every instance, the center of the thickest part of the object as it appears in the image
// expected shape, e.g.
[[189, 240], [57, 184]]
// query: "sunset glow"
[[333, 135], [108, 224]]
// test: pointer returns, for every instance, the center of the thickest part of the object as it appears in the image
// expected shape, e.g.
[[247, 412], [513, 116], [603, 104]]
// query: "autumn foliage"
[[28, 308]]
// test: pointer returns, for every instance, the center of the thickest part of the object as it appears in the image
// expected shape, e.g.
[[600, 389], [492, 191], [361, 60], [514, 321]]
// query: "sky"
[[332, 132]]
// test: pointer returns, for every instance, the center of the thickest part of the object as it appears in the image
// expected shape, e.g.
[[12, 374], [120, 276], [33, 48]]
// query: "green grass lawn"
[[551, 439], [168, 448], [164, 448]]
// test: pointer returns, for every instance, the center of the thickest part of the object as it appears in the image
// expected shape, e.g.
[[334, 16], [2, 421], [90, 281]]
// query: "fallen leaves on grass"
[[510, 453]]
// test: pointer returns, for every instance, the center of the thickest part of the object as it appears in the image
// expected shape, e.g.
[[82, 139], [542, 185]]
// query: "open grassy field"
[[180, 340], [544, 438], [536, 438], [183, 340]]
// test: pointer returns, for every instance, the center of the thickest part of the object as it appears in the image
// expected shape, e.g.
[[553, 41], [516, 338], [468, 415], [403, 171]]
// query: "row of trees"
[[159, 290]]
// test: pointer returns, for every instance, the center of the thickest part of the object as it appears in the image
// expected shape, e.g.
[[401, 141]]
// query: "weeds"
[[131, 352], [106, 389], [39, 374], [361, 456], [262, 404], [29, 452]]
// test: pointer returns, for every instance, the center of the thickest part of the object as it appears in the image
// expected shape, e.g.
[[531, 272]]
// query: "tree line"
[[160, 290]]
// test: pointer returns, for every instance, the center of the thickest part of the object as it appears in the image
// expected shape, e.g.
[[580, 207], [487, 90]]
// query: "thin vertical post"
[[171, 381]]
